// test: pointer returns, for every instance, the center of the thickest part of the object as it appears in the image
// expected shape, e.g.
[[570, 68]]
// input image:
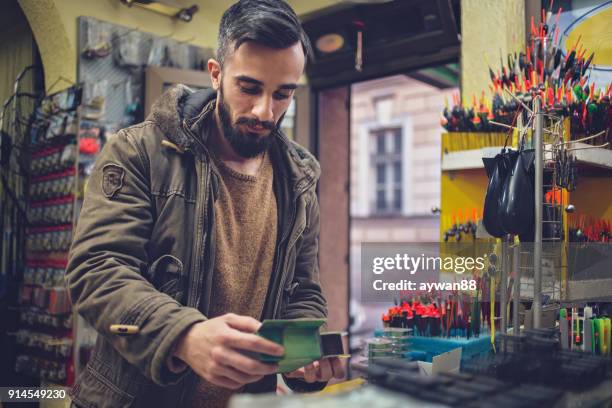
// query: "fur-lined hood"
[[181, 108]]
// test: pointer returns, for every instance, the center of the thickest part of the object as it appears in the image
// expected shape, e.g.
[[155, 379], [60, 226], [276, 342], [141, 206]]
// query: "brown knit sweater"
[[245, 239]]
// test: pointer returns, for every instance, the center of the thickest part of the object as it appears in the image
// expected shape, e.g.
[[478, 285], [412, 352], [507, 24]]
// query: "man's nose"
[[263, 109]]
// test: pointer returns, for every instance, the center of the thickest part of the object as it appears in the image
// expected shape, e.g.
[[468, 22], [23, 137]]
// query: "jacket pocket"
[[166, 274], [94, 389]]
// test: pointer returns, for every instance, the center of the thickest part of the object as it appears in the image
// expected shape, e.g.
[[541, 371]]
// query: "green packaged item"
[[598, 334], [606, 340], [300, 338]]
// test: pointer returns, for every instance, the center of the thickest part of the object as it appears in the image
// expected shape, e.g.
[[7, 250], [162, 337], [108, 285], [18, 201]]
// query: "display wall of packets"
[[35, 318], [52, 185], [55, 211], [44, 273], [46, 129], [53, 159], [37, 367], [52, 346], [55, 238], [61, 101], [53, 301], [62, 124]]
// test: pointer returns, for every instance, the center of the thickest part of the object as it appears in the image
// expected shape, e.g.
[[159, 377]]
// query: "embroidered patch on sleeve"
[[112, 179]]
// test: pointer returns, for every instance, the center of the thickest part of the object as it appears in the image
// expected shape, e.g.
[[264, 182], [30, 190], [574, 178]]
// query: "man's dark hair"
[[271, 23]]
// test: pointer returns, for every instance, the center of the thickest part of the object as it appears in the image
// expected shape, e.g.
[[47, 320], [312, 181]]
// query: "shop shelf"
[[468, 159], [589, 290], [472, 159], [597, 157]]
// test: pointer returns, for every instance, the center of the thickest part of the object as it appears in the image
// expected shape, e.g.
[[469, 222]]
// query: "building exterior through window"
[[387, 161], [394, 172]]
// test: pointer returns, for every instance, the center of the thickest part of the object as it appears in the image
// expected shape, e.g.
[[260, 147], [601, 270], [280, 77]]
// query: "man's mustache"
[[252, 122]]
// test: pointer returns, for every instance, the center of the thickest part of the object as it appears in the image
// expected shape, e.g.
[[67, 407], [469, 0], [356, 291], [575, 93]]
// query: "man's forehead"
[[266, 64], [249, 47]]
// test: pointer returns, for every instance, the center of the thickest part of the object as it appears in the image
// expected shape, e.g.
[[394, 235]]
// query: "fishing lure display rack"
[[45, 336], [63, 146], [543, 95], [544, 275]]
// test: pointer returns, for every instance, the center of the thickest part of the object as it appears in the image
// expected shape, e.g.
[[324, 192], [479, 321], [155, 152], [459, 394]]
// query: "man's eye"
[[250, 91], [280, 96]]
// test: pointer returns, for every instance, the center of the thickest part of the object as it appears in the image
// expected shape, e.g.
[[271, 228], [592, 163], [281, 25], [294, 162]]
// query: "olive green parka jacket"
[[143, 251]]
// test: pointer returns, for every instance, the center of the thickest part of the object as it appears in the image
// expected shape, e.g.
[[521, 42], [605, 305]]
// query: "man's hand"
[[212, 350], [321, 370]]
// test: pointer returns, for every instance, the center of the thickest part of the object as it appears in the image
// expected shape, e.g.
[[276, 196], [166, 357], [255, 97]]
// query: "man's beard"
[[245, 144]]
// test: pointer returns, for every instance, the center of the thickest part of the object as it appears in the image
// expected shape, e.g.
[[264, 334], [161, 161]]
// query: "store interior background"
[[338, 121]]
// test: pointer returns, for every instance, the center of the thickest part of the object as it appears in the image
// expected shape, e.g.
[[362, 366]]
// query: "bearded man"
[[199, 223]]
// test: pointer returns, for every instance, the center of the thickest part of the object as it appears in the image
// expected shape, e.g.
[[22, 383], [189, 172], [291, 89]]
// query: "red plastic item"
[[89, 146]]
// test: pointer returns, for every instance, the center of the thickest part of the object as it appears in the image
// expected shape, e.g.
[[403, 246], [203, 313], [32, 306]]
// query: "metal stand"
[[539, 181], [503, 287], [516, 325]]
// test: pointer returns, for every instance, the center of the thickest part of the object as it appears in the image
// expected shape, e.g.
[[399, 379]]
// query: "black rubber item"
[[497, 169], [517, 207]]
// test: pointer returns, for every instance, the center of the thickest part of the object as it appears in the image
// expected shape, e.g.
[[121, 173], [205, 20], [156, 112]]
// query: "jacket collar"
[[185, 115]]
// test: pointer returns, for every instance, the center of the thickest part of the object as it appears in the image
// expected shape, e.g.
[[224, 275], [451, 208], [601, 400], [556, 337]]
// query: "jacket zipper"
[[279, 290], [209, 267], [194, 293], [193, 298]]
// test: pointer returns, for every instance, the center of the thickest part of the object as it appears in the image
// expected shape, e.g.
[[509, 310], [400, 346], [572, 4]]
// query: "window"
[[387, 165], [288, 123]]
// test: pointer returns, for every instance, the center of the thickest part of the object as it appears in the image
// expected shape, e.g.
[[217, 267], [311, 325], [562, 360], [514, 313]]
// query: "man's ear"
[[214, 68]]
